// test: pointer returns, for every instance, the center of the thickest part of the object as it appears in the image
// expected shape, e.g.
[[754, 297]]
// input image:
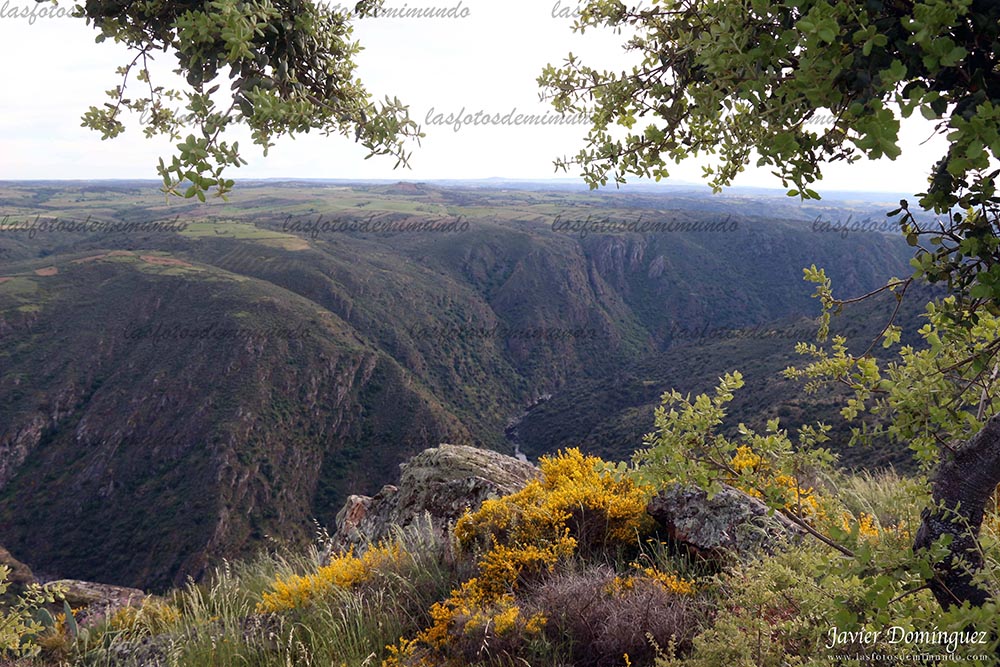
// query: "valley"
[[176, 394]]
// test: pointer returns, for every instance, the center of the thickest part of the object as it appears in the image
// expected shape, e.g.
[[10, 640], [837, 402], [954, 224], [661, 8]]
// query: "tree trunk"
[[961, 487]]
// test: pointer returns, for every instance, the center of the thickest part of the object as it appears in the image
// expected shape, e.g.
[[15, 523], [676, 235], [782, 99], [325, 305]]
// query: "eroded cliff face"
[[142, 460], [133, 455], [749, 275]]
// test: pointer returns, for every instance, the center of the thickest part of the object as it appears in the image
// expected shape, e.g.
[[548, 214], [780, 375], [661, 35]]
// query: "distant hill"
[[139, 440], [609, 416]]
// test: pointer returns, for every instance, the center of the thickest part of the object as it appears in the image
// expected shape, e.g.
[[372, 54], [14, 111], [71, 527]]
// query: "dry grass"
[[603, 621]]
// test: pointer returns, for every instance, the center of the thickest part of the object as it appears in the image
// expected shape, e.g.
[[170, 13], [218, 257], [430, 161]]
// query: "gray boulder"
[[730, 524], [439, 483], [98, 601], [95, 601]]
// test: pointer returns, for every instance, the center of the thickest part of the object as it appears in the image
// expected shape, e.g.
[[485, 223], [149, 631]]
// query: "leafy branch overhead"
[[291, 69], [796, 84], [727, 77]]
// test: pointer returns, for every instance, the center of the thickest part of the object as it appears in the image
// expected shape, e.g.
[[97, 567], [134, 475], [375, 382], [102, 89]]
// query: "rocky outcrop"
[[94, 601], [97, 601], [730, 524], [441, 483], [20, 574]]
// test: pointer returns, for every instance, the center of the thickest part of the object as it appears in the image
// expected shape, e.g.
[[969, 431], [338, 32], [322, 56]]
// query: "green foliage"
[[892, 500], [215, 623], [292, 70], [423, 389], [930, 397], [21, 622], [774, 611], [724, 77], [731, 78], [775, 608], [686, 447], [781, 610], [963, 254]]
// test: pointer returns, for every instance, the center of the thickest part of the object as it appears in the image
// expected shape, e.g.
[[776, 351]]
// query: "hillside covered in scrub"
[[174, 395], [606, 420], [731, 533], [477, 559]]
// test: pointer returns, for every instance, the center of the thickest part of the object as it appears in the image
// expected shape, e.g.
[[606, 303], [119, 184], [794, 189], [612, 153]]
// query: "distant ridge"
[[137, 445], [500, 181]]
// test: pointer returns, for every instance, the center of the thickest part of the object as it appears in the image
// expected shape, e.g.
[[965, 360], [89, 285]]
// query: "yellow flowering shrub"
[[576, 493], [473, 610], [473, 617], [56, 641], [867, 527], [577, 504], [671, 583], [344, 571], [803, 502], [745, 459], [503, 567]]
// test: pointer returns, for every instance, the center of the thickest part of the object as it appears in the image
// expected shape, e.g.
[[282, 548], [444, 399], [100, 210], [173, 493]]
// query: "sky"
[[489, 60]]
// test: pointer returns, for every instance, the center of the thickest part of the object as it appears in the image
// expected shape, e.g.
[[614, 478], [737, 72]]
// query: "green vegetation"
[[534, 576], [260, 431], [151, 360], [292, 69], [570, 571], [19, 624], [750, 78], [610, 415], [424, 594], [725, 78]]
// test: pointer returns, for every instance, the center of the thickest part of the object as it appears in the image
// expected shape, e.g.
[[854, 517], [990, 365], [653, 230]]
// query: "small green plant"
[[685, 447], [810, 607], [21, 623]]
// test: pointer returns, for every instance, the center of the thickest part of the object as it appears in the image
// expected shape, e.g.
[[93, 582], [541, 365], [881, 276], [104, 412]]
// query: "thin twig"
[[818, 535], [910, 592]]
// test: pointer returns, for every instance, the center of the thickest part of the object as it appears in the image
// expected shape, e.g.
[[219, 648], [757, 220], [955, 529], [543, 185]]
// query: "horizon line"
[[666, 183]]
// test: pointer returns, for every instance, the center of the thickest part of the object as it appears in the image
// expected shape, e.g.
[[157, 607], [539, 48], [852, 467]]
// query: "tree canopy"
[[728, 77], [804, 83], [291, 70]]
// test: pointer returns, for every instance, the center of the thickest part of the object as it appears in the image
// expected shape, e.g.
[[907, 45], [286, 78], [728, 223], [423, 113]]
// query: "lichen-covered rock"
[[94, 601], [730, 524], [441, 483], [98, 601]]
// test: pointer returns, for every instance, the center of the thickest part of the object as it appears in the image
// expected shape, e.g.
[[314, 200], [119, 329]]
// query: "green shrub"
[[19, 623]]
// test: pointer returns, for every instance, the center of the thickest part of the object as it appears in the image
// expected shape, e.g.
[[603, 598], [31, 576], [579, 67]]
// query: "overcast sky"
[[488, 61]]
